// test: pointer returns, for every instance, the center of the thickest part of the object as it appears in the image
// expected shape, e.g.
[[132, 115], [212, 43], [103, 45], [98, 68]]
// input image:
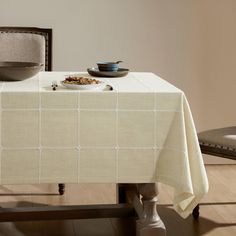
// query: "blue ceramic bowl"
[[108, 66]]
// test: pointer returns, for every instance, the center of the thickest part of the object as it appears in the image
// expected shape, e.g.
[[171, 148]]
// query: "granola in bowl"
[[82, 83], [80, 80]]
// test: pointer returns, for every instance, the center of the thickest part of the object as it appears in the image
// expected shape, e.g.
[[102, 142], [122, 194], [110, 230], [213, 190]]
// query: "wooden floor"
[[217, 211]]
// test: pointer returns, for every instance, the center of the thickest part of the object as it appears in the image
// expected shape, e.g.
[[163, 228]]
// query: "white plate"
[[99, 86]]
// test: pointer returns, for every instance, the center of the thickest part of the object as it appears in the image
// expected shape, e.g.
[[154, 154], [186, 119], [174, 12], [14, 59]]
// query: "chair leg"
[[195, 212], [61, 189]]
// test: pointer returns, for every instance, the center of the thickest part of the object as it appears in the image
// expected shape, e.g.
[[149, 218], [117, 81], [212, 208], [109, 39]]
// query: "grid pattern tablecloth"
[[141, 132]]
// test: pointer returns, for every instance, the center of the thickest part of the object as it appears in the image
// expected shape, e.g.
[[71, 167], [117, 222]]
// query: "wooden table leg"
[[144, 199], [150, 223]]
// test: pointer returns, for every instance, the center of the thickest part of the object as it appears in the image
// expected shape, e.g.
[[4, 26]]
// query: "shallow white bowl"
[[99, 86]]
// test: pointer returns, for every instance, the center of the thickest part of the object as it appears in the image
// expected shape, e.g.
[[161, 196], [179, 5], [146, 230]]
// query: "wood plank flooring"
[[217, 210]]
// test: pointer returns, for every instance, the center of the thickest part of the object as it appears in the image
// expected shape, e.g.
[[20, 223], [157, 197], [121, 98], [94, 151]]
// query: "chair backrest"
[[26, 44]]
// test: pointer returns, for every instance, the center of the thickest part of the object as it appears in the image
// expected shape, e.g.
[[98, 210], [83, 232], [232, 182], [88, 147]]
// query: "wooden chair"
[[29, 45], [217, 142]]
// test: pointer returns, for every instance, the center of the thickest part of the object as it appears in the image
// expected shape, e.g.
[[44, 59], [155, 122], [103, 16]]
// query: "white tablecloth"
[[141, 132]]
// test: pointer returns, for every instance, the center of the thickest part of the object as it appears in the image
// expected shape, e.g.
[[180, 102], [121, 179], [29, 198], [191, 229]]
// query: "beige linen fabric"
[[141, 132]]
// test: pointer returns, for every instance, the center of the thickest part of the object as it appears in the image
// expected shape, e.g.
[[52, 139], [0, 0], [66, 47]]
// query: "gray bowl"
[[15, 71]]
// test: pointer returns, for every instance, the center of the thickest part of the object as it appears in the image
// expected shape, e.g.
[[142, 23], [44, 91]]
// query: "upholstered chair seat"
[[217, 142], [221, 142]]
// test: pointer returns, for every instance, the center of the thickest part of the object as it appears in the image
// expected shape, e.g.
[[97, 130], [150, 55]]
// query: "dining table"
[[136, 133]]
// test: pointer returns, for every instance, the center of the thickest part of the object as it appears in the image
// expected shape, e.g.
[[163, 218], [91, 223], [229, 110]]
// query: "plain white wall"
[[190, 43], [219, 63]]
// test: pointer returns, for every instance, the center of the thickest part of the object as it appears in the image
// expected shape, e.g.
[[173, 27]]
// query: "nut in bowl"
[[83, 83]]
